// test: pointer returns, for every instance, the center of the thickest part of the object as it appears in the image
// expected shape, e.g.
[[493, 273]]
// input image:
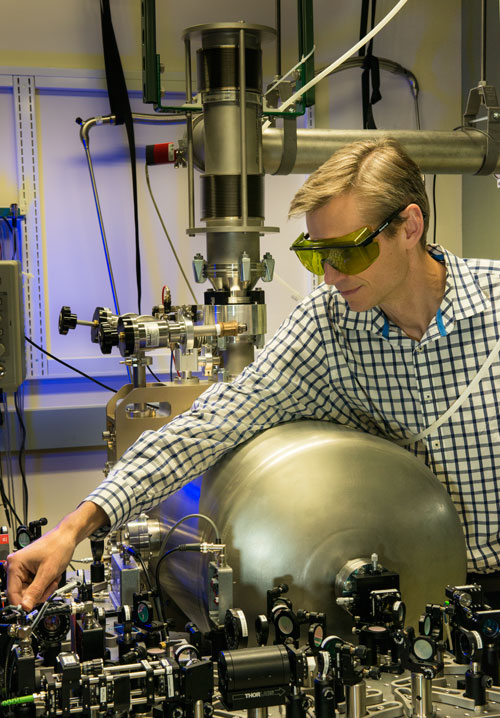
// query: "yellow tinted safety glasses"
[[350, 254]]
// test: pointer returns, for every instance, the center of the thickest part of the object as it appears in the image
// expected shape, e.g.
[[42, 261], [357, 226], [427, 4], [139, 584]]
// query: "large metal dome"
[[298, 501]]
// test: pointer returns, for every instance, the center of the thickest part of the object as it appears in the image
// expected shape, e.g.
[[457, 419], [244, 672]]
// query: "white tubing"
[[458, 402], [294, 293], [365, 40]]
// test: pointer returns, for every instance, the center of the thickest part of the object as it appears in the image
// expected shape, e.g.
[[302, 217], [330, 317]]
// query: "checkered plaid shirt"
[[358, 369]]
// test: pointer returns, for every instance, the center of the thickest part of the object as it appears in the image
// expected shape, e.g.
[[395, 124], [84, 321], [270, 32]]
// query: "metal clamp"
[[289, 151], [486, 95]]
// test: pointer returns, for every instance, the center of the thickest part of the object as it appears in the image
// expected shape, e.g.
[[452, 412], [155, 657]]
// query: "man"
[[391, 340]]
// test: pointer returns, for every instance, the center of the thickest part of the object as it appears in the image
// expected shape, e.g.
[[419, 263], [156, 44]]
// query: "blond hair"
[[382, 175]]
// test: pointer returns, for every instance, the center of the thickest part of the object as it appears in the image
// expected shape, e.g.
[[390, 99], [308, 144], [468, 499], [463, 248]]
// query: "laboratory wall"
[[59, 45]]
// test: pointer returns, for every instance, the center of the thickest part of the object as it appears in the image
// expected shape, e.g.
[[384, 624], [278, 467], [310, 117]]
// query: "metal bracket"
[[29, 204], [486, 95]]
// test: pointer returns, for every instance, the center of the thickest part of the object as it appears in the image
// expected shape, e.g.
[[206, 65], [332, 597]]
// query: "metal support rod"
[[189, 132], [421, 696], [243, 132], [356, 700]]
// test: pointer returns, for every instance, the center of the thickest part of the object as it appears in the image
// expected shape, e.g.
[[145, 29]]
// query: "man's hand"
[[33, 573]]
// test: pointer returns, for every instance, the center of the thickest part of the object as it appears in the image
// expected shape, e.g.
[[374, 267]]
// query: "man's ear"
[[414, 225]]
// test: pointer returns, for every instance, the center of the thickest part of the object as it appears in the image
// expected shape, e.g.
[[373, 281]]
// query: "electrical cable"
[[44, 351], [8, 458], [434, 209], [120, 107], [167, 235], [177, 548], [154, 375], [22, 453], [182, 520], [5, 501], [132, 551], [278, 36], [327, 71]]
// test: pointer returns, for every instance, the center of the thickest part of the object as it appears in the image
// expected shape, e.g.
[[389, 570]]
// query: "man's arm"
[[34, 572]]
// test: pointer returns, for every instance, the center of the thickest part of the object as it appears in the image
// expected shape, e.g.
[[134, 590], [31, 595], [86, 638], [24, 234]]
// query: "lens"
[[348, 260], [427, 625], [285, 624], [490, 627], [143, 612], [52, 624], [423, 649], [352, 260], [466, 645]]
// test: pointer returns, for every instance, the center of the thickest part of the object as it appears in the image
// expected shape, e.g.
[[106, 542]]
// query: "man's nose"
[[332, 275]]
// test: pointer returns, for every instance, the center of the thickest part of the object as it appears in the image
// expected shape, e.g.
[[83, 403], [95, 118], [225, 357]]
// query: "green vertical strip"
[[150, 69], [306, 44]]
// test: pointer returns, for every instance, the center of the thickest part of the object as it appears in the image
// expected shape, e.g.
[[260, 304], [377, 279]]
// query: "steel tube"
[[435, 152]]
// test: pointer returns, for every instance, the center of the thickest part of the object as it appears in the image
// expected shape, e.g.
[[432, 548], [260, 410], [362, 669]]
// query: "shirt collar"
[[462, 298]]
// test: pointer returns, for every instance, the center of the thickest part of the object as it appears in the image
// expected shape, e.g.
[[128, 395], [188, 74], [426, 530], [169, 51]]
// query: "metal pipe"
[[436, 152], [243, 131], [189, 132], [84, 130]]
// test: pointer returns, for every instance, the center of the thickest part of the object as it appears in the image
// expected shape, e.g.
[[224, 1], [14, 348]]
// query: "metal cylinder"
[[421, 696], [257, 712], [230, 83], [298, 501], [436, 152], [355, 697]]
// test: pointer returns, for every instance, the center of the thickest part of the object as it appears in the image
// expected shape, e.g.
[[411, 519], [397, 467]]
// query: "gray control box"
[[12, 358]]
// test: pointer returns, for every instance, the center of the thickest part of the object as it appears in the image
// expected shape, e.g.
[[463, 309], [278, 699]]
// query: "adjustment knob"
[[108, 337], [101, 315], [67, 320]]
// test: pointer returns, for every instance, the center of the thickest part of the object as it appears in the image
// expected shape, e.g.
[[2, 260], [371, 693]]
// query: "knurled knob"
[[67, 320]]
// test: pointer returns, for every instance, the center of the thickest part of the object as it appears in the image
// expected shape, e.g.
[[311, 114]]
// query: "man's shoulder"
[[464, 270], [475, 265]]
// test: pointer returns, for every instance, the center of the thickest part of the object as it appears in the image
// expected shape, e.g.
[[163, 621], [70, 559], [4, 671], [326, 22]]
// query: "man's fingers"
[[39, 590]]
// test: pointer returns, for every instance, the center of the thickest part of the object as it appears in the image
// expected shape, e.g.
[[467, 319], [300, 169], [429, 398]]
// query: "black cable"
[[278, 37], [171, 367], [5, 501], [154, 375], [483, 41], [44, 351], [138, 556], [474, 129], [22, 456], [120, 107], [434, 207]]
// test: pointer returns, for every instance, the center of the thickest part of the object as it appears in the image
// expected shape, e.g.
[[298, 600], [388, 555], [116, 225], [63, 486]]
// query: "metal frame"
[[29, 203]]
